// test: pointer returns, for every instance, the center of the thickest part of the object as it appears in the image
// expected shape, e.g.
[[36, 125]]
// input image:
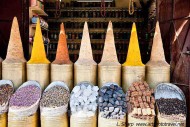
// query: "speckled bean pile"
[[84, 98], [25, 96], [56, 96], [112, 102]]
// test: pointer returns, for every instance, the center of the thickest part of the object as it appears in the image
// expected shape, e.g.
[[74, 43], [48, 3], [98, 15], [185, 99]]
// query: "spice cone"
[[62, 55], [62, 67], [38, 51], [109, 63], [157, 53], [158, 70], [109, 54], [85, 54], [85, 68], [133, 69], [15, 51], [13, 67], [133, 55]]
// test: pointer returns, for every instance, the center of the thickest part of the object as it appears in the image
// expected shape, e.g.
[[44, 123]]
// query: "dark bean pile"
[[25, 96], [5, 93], [171, 106], [112, 102], [55, 97]]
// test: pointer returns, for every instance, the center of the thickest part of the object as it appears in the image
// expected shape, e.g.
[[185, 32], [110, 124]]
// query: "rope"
[[131, 7]]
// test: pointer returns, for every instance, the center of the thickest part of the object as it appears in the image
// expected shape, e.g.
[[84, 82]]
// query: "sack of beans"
[[54, 105], [23, 105], [140, 105], [6, 90], [171, 106], [112, 106], [83, 105]]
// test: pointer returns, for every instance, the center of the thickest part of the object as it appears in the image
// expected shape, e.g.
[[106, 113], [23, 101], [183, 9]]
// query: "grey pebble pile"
[[112, 102], [84, 98]]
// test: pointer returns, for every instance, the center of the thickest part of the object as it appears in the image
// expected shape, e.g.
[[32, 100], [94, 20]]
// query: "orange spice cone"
[[38, 65], [85, 68], [62, 67], [158, 70], [13, 67], [133, 69], [109, 69]]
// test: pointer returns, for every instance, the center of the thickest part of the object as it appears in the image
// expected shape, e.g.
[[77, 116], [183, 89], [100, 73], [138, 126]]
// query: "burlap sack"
[[16, 72], [134, 122], [156, 75], [57, 116], [76, 121], [168, 90], [103, 122], [63, 72], [40, 73], [132, 74], [104, 73], [4, 108], [3, 120], [25, 116], [85, 73], [15, 120]]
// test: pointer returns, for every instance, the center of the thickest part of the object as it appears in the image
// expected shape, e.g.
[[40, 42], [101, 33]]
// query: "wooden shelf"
[[38, 11], [93, 30], [34, 27], [92, 40], [95, 19], [89, 9]]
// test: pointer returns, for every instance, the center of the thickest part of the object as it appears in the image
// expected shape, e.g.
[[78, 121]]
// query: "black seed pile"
[[171, 106]]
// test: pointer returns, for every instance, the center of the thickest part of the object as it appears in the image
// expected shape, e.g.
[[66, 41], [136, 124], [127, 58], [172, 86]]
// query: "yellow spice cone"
[[62, 67], [133, 55], [15, 52], [62, 55], [38, 51], [158, 70], [109, 63], [14, 65], [85, 54], [85, 68], [133, 69]]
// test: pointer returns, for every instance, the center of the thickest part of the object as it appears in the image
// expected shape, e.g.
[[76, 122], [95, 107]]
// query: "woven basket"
[[85, 73], [57, 116], [40, 73], [103, 122], [3, 120], [168, 90], [16, 72], [109, 74], [132, 74], [62, 73], [22, 121]]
